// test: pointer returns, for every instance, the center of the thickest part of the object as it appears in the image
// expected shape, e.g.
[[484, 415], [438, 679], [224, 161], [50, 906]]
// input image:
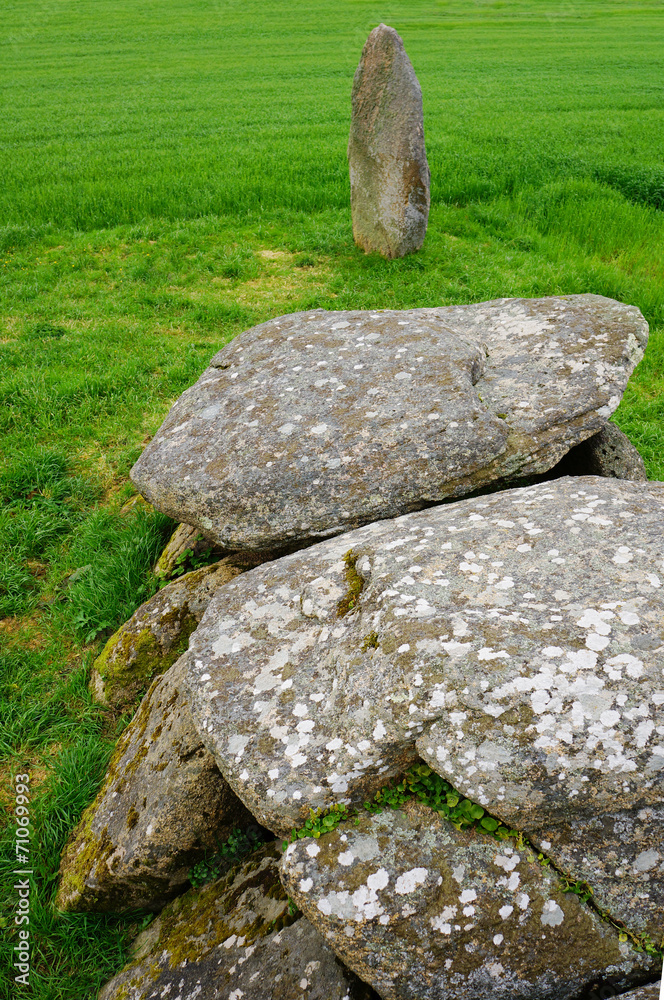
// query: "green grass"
[[174, 172]]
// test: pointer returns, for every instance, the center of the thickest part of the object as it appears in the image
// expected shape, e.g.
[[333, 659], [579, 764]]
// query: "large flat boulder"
[[389, 173], [514, 641], [162, 806], [315, 423], [424, 912], [235, 938]]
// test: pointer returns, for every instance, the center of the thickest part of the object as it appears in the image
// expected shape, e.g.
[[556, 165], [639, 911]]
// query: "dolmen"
[[430, 592]]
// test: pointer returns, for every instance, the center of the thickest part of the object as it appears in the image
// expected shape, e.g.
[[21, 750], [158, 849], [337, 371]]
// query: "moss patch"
[[355, 584], [130, 660], [370, 641]]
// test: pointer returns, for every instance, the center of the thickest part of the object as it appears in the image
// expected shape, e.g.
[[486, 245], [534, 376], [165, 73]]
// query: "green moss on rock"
[[355, 584]]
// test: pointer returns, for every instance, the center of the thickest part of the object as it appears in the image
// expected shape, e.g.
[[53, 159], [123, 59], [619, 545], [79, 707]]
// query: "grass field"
[[174, 172]]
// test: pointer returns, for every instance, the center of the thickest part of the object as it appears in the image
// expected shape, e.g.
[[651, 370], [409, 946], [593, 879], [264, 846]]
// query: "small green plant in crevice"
[[355, 585], [569, 884], [425, 785], [320, 822], [190, 560], [421, 783], [239, 844]]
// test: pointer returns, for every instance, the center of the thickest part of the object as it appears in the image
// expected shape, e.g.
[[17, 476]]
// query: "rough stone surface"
[[157, 634], [389, 173], [162, 804], [650, 992], [608, 453], [315, 423], [516, 641], [424, 912], [620, 853], [235, 939], [184, 542]]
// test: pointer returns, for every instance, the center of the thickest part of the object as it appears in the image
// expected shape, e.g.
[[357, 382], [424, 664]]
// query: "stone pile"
[[511, 643]]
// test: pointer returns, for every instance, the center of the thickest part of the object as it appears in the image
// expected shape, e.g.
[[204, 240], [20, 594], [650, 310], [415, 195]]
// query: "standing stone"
[[389, 173]]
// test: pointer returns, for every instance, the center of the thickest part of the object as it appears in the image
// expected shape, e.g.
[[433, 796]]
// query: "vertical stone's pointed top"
[[389, 173]]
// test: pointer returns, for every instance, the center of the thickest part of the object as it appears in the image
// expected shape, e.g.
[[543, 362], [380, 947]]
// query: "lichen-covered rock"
[[619, 853], [315, 423], [162, 805], [387, 161], [185, 543], [650, 992], [157, 634], [608, 453], [235, 938], [515, 641], [423, 912]]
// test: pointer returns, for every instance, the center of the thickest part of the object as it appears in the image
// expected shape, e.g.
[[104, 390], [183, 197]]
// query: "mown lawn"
[[174, 172]]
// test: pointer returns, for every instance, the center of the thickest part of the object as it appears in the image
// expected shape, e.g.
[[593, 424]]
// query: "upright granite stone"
[[235, 938], [315, 423], [163, 804], [423, 912], [389, 173]]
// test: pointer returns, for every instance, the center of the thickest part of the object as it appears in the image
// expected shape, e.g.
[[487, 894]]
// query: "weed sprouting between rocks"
[[240, 843]]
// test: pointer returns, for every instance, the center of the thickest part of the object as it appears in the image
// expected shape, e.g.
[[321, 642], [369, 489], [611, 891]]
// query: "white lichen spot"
[[378, 880], [552, 915], [409, 881], [379, 731], [507, 864]]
